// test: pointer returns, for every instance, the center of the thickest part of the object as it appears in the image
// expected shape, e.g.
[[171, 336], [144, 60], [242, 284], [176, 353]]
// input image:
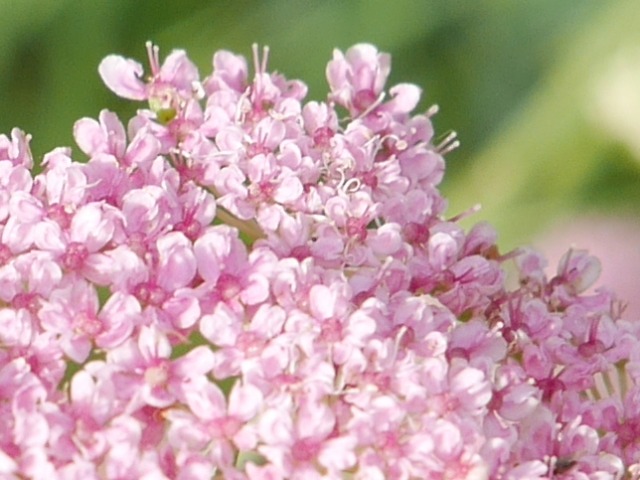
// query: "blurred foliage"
[[515, 79]]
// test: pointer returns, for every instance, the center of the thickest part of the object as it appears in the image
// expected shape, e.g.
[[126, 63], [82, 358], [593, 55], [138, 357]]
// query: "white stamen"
[[342, 179], [265, 59], [153, 52], [256, 58], [243, 107], [448, 144], [352, 185], [467, 213], [371, 107]]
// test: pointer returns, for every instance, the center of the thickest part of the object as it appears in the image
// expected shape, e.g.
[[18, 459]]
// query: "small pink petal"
[[405, 98], [321, 302], [198, 361], [244, 402], [88, 135], [122, 76], [183, 310], [176, 261]]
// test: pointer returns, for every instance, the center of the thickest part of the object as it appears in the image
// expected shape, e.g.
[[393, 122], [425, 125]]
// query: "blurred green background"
[[535, 89]]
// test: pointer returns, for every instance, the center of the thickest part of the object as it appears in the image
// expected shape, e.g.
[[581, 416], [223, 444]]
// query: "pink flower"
[[16, 150], [357, 78], [72, 313], [229, 72], [293, 443], [214, 425], [146, 375], [107, 136], [123, 76], [247, 286]]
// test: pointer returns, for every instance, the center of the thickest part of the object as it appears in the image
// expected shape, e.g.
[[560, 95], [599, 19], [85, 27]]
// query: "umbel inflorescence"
[[242, 285]]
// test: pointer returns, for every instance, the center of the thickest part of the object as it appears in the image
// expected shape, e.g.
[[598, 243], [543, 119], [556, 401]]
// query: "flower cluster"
[[242, 285]]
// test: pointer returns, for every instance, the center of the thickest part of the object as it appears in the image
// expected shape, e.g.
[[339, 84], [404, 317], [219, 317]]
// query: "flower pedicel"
[[241, 285]]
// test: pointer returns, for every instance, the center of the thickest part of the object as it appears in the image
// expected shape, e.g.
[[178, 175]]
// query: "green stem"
[[249, 228]]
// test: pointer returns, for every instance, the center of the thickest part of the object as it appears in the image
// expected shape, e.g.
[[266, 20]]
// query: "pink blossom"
[[357, 78], [107, 136], [215, 426], [292, 443], [246, 285], [229, 72], [16, 150], [124, 76], [145, 373]]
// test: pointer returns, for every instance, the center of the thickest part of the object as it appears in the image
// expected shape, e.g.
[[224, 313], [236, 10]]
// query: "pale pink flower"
[[71, 312], [63, 185], [230, 72], [174, 77], [16, 150], [247, 286], [215, 426], [145, 373], [357, 78], [293, 443], [107, 136]]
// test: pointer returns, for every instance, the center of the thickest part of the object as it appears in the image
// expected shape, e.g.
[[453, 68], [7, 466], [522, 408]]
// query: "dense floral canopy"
[[242, 285]]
